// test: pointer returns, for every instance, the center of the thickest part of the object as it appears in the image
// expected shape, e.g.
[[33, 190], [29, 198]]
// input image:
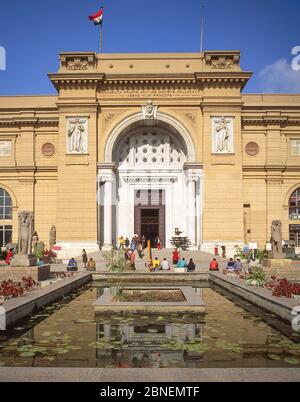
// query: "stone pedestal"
[[23, 260], [277, 263], [281, 269], [38, 273]]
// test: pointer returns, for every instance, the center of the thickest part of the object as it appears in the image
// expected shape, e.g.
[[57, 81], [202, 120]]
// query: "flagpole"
[[101, 38], [202, 29]]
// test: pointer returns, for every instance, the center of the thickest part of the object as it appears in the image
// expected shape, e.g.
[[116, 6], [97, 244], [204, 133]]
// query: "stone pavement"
[[201, 259]]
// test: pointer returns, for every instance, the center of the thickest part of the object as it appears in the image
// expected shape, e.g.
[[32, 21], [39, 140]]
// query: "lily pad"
[[291, 360], [27, 354], [274, 357]]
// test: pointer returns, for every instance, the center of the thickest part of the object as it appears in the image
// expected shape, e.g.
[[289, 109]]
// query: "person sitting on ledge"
[[91, 265], [165, 265], [154, 265], [214, 265], [72, 265], [238, 265], [191, 266], [181, 263], [230, 265]]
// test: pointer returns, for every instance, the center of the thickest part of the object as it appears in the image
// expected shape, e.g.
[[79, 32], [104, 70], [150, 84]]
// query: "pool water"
[[233, 333]]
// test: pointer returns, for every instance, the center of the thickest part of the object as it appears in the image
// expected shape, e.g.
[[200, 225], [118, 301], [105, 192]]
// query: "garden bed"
[[157, 295]]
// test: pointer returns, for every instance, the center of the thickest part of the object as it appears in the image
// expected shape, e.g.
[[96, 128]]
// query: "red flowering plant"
[[283, 288], [10, 289], [48, 256]]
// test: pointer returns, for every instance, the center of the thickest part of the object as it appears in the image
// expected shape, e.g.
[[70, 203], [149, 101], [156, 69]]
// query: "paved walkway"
[[201, 259]]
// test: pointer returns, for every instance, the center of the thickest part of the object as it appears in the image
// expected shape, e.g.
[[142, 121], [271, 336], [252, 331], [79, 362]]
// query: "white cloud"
[[279, 77]]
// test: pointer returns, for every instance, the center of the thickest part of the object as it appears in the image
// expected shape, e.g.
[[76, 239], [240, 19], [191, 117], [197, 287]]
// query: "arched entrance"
[[149, 185]]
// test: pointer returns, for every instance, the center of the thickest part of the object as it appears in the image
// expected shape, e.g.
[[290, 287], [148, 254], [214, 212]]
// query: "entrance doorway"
[[150, 215], [150, 222]]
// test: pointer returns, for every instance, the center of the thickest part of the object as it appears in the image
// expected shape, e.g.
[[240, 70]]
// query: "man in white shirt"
[[165, 265]]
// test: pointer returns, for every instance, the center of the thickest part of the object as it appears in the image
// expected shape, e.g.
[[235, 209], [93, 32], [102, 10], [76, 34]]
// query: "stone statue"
[[149, 111], [25, 232], [276, 240], [34, 242], [52, 238], [223, 136], [77, 134]]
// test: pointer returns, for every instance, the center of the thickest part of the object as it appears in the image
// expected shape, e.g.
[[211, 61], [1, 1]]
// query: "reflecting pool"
[[233, 333]]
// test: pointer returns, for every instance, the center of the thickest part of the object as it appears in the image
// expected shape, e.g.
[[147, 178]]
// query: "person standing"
[[216, 249], [121, 243], [144, 242], [158, 244], [175, 257], [84, 258], [223, 251]]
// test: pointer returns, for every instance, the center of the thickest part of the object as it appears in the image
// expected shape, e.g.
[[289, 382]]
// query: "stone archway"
[[154, 160]]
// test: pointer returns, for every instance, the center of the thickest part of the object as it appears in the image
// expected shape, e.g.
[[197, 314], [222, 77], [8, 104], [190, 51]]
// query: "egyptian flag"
[[98, 17]]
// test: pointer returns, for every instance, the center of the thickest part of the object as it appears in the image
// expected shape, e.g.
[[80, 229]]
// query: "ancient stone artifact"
[[52, 238], [276, 240]]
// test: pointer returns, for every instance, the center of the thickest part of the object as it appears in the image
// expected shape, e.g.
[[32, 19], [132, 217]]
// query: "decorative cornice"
[[29, 121], [270, 120], [76, 80]]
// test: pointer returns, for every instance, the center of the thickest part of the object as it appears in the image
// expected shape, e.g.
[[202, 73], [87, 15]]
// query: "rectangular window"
[[295, 147], [5, 148], [5, 235]]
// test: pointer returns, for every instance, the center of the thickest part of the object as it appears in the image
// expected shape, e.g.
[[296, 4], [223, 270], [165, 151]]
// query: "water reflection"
[[232, 334]]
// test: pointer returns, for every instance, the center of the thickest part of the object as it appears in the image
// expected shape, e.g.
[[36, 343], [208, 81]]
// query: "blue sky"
[[33, 32]]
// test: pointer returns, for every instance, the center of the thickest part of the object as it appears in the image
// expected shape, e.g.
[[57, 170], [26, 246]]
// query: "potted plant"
[[243, 256]]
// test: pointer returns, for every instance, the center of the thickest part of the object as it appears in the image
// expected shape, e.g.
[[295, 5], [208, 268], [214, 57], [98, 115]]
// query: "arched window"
[[5, 217], [294, 205]]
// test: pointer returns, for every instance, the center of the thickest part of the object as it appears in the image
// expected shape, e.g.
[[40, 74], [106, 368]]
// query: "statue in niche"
[[25, 232], [77, 136], [222, 136], [276, 240]]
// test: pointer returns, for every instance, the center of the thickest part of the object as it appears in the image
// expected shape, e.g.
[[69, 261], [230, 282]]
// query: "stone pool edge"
[[98, 375], [259, 297], [19, 308]]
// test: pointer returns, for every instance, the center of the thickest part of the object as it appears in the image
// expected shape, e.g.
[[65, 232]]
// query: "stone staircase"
[[201, 260]]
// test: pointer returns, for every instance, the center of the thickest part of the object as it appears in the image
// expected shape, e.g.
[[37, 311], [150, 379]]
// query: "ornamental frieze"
[[147, 91]]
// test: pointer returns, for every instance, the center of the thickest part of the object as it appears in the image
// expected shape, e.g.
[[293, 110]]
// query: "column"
[[107, 218], [192, 210]]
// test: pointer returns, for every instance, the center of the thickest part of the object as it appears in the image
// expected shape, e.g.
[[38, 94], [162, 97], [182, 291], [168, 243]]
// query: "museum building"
[[147, 143]]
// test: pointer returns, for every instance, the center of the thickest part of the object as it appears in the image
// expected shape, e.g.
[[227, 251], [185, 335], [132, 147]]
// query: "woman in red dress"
[[175, 257]]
